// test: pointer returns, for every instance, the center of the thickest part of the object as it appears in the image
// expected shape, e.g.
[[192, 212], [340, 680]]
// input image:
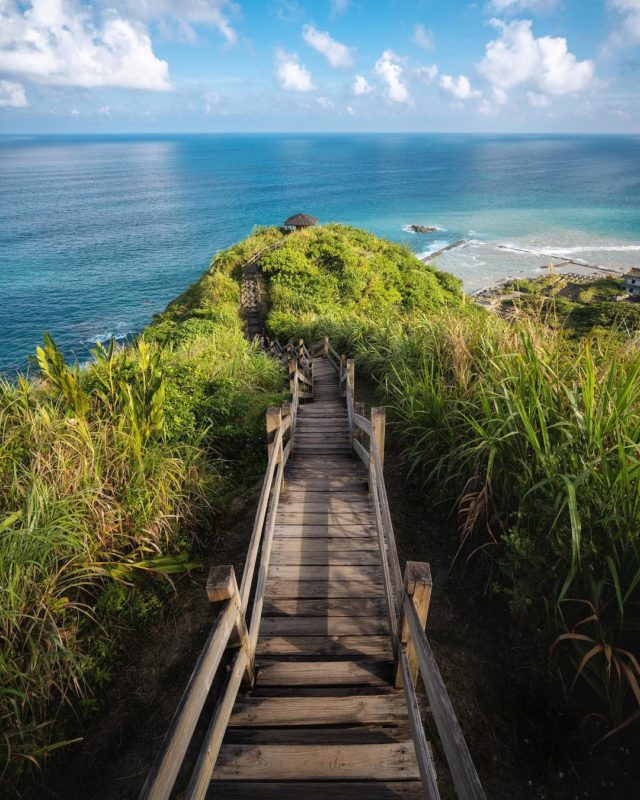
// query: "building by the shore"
[[631, 281]]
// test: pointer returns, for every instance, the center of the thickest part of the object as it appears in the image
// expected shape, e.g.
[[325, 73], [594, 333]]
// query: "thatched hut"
[[298, 221]]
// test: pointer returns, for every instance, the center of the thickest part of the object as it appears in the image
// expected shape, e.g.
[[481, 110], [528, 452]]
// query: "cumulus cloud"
[[390, 71], [12, 95], [326, 103], [629, 11], [361, 86], [517, 6], [185, 13], [427, 74], [338, 55], [62, 43], [291, 75], [422, 37], [460, 88], [517, 58]]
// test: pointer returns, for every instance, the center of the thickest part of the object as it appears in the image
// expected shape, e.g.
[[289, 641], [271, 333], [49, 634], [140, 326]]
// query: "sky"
[[513, 66]]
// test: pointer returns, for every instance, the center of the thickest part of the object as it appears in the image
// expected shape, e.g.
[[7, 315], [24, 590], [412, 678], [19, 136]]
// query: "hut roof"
[[301, 221], [634, 272]]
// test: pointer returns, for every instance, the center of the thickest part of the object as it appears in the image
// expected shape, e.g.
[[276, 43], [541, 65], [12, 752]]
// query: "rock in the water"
[[422, 228]]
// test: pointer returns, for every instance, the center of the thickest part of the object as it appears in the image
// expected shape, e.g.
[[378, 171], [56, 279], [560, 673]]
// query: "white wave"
[[107, 336], [560, 252], [436, 245]]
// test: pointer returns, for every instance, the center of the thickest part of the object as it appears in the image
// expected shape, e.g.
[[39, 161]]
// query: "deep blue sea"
[[98, 233]]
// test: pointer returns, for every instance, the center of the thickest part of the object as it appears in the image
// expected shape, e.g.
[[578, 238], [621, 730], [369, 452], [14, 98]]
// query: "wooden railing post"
[[222, 585], [358, 407], [292, 373], [274, 420], [378, 421], [325, 347], [417, 586], [301, 353]]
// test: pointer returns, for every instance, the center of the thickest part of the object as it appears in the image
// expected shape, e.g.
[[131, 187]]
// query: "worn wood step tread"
[[330, 790], [321, 673], [392, 761], [302, 711], [318, 558], [354, 734], [323, 626], [326, 572], [322, 589], [299, 647], [351, 607]]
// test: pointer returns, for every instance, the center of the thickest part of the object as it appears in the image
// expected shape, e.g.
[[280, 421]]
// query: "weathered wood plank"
[[324, 545], [393, 761], [326, 647], [345, 607], [319, 558], [328, 572], [330, 517], [301, 711], [332, 790], [321, 673], [358, 734], [321, 589], [347, 531], [323, 626]]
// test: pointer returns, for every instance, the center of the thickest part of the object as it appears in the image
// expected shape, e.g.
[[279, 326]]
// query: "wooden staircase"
[[324, 719], [324, 632]]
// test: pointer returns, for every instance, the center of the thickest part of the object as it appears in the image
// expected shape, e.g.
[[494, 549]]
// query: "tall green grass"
[[528, 436], [109, 476]]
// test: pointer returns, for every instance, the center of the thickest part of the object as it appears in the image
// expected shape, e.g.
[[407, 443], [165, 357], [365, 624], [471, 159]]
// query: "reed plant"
[[109, 476]]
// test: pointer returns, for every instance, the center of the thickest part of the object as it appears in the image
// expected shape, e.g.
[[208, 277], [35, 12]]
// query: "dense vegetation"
[[109, 475], [578, 308], [528, 431]]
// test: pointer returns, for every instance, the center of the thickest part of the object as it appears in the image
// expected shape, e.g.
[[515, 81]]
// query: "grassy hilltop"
[[114, 475]]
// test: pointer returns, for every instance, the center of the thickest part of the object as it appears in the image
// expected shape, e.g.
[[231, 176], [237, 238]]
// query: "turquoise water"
[[99, 233]]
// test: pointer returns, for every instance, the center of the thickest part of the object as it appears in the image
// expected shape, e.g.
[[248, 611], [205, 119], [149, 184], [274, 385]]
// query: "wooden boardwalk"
[[324, 637], [323, 719]]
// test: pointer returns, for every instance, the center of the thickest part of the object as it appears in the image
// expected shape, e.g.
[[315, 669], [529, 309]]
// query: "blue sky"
[[319, 65]]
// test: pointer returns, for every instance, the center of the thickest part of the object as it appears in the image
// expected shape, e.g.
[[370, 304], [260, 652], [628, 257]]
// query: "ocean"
[[98, 233]]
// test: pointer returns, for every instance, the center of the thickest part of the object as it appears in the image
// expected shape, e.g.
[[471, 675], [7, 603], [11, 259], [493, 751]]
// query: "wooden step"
[[330, 572], [332, 531], [322, 589], [331, 790], [352, 607], [329, 517], [315, 558], [299, 546], [393, 761], [355, 734], [351, 647], [302, 711], [321, 673], [324, 626]]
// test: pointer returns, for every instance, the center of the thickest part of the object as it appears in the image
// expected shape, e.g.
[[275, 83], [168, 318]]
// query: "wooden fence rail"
[[407, 601]]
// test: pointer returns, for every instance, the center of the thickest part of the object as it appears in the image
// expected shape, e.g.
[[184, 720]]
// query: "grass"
[[529, 433], [109, 478]]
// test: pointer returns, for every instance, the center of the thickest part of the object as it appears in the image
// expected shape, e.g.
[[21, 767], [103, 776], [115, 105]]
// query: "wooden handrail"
[[408, 638], [231, 618]]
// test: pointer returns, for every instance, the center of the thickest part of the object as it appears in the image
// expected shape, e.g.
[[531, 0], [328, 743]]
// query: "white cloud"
[[630, 13], [459, 87], [339, 7], [350, 111], [12, 95], [422, 37], [516, 58], [291, 75], [388, 68], [338, 55], [536, 100], [427, 74], [516, 6], [105, 111], [361, 86], [186, 13], [62, 43], [326, 103]]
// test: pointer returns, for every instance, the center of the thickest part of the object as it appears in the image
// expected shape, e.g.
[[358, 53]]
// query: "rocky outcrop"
[[422, 228]]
